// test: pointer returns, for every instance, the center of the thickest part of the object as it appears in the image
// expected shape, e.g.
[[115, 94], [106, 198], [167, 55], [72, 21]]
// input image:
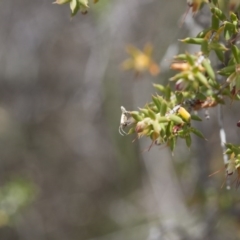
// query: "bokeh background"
[[65, 171]]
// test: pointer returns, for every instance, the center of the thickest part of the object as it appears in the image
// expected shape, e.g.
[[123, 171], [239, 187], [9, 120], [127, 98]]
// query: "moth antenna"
[[119, 130], [151, 146], [147, 149], [212, 174]]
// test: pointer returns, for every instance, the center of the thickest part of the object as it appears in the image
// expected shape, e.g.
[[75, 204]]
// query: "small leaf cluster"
[[195, 72], [164, 119], [232, 72], [169, 115], [222, 28]]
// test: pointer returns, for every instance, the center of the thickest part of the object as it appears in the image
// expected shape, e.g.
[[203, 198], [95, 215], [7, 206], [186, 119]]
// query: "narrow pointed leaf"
[[157, 103], [172, 143], [162, 119], [215, 22], [198, 133], [236, 53], [175, 119], [227, 70], [159, 87], [188, 140], [144, 111], [208, 69], [217, 12], [237, 83], [151, 114], [136, 115], [74, 6], [167, 93], [198, 41], [219, 54], [195, 117], [202, 79], [163, 108]]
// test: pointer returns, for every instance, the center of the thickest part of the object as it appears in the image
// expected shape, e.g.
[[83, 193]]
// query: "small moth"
[[125, 120]]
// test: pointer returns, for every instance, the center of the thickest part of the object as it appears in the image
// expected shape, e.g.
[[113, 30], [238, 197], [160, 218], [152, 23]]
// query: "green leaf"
[[172, 143], [227, 70], [236, 53], [84, 3], [167, 93], [197, 41], [169, 129], [214, 84], [144, 111], [219, 54], [159, 87], [191, 59], [205, 48], [203, 33], [157, 103], [197, 132], [175, 119], [229, 30], [218, 13], [136, 116], [178, 76], [208, 68], [217, 46], [200, 96], [215, 22], [228, 145], [151, 114], [74, 6], [180, 57], [162, 119], [234, 19], [188, 140], [237, 82], [156, 127], [163, 108], [195, 117], [179, 97], [131, 131], [202, 79]]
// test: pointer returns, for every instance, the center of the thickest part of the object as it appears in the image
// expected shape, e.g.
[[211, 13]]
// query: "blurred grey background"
[[65, 172]]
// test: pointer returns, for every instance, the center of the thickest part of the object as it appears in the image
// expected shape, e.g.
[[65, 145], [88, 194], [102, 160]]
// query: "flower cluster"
[[141, 61]]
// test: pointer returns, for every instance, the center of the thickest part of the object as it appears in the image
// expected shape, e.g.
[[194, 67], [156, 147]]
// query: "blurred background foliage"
[[65, 172]]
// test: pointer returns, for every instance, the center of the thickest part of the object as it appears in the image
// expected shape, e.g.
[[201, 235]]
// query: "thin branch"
[[222, 135]]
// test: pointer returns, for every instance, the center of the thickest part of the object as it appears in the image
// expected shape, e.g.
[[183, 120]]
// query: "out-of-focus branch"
[[222, 135]]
